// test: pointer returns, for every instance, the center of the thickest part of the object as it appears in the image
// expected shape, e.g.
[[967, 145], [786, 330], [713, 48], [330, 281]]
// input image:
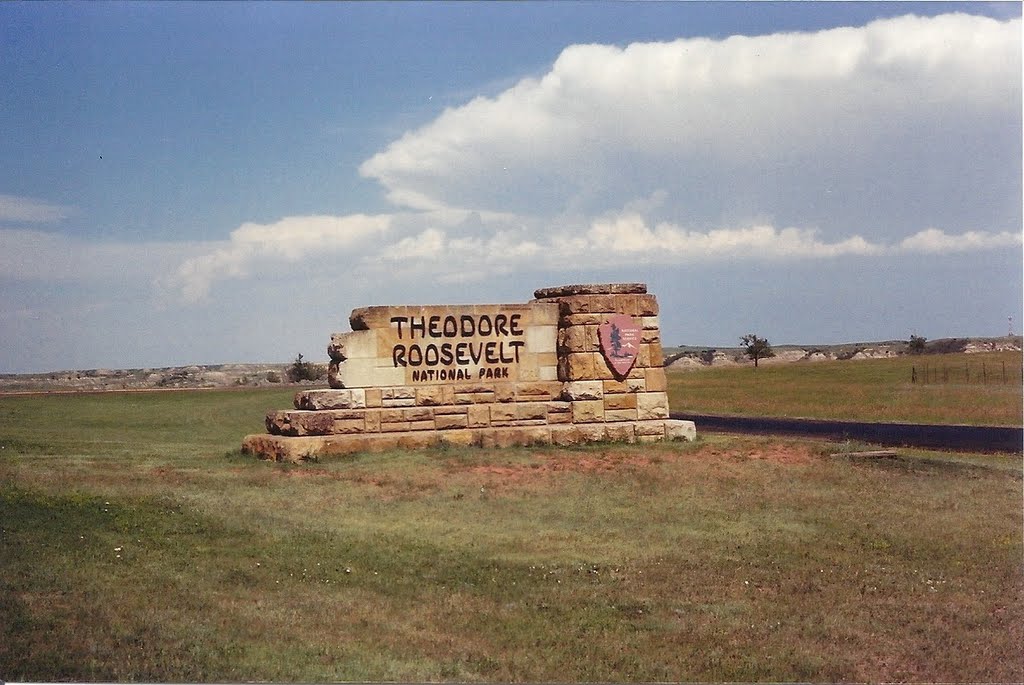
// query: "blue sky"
[[215, 182]]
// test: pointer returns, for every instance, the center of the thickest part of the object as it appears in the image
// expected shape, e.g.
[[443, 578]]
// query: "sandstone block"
[[531, 410], [588, 411], [564, 417], [625, 385], [353, 345], [652, 405], [503, 412], [394, 426], [646, 305], [478, 415], [427, 425], [572, 339], [647, 336], [680, 430], [538, 390], [372, 421], [655, 355], [519, 422], [314, 400], [512, 437], [588, 304], [620, 401], [620, 415], [365, 318], [575, 367], [567, 434], [277, 448], [504, 392], [620, 432], [460, 409], [603, 370], [567, 320], [404, 402], [373, 397], [592, 432], [459, 438], [432, 395], [655, 380], [343, 426], [298, 423], [583, 390], [472, 388], [656, 428], [418, 414], [418, 441], [474, 397], [392, 416], [450, 421]]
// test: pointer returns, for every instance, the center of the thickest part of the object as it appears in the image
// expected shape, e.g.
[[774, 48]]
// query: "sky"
[[204, 183]]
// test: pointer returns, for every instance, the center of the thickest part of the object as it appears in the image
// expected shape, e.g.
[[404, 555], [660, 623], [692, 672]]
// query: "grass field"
[[961, 389], [136, 543]]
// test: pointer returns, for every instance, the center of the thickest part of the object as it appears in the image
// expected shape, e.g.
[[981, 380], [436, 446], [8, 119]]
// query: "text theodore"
[[456, 341]]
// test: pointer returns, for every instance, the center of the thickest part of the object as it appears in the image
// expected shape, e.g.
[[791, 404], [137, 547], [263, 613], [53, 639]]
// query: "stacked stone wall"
[[526, 374]]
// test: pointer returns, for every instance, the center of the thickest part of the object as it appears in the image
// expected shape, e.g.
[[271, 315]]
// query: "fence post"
[[913, 374]]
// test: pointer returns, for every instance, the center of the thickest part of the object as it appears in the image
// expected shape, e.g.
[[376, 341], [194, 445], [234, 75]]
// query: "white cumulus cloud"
[[848, 122], [290, 239], [29, 210]]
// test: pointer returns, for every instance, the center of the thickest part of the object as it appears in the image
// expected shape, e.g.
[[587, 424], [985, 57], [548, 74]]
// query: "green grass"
[[136, 543], [861, 390]]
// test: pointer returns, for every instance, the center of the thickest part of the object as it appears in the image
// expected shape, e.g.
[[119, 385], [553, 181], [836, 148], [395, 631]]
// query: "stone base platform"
[[315, 447]]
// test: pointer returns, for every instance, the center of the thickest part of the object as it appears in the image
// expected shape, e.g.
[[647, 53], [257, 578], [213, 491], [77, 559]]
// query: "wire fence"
[[983, 373]]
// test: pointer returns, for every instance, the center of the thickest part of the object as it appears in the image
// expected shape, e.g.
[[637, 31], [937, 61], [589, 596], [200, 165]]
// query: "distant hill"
[[690, 356], [196, 376]]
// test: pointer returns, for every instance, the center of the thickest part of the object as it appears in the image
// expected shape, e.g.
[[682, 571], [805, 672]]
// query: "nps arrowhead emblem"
[[620, 336]]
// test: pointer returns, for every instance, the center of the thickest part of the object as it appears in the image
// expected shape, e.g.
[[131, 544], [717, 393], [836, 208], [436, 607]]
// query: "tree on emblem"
[[616, 339]]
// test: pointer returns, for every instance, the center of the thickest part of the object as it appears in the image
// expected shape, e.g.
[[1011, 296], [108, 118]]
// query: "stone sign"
[[433, 345], [578, 363]]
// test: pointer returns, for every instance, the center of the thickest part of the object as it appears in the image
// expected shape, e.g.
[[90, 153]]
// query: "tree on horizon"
[[756, 348]]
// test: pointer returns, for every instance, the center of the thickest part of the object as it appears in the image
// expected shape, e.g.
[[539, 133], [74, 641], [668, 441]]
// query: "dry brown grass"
[[742, 559]]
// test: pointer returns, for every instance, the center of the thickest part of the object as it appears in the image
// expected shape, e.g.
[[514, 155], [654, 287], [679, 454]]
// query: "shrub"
[[304, 371]]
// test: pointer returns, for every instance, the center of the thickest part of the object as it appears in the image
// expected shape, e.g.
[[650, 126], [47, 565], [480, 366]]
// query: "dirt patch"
[[549, 464], [616, 462]]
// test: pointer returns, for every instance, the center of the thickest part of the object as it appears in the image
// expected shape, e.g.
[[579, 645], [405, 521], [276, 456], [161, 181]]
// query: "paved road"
[[980, 438]]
